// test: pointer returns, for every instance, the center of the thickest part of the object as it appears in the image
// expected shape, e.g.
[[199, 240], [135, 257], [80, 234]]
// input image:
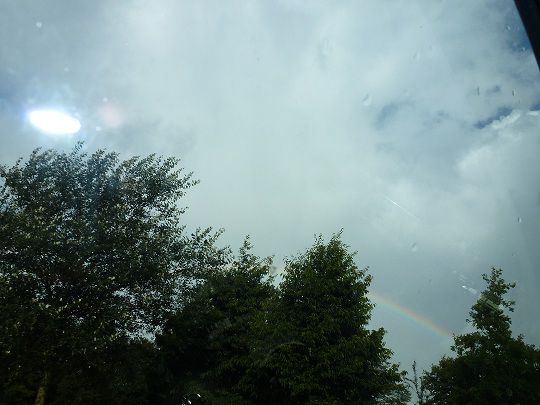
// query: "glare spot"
[[54, 122]]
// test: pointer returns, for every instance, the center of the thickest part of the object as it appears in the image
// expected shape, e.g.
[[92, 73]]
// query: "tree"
[[92, 253], [417, 385], [206, 344], [490, 366], [313, 343]]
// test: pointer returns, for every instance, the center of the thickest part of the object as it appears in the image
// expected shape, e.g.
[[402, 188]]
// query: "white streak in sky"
[[403, 209]]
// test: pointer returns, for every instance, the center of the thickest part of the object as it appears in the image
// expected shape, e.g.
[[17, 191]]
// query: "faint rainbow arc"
[[409, 314]]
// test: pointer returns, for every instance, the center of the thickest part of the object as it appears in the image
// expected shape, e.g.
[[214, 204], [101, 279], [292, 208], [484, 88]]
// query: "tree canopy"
[[313, 344], [490, 366], [206, 344], [105, 298], [91, 253], [241, 340]]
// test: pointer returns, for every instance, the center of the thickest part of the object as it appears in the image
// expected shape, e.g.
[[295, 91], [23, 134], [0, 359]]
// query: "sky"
[[411, 125]]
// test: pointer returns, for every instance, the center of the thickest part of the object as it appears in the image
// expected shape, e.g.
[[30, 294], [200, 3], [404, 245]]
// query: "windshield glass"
[[411, 126]]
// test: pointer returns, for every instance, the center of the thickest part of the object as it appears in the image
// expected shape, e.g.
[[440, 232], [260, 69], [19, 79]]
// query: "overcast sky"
[[412, 125]]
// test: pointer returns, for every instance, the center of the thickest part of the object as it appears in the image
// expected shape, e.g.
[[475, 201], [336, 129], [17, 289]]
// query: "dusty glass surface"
[[414, 126]]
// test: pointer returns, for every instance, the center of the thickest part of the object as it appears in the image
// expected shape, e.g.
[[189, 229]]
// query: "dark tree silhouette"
[[91, 254], [490, 366], [313, 343]]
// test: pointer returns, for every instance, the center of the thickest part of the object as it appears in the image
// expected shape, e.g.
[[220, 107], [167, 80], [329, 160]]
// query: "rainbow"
[[409, 314]]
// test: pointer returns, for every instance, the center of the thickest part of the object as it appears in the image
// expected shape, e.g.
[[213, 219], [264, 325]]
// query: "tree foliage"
[[313, 345], [206, 344], [92, 253], [416, 384], [95, 263], [490, 366]]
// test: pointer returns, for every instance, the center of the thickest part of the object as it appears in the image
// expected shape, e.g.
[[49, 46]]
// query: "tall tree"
[[91, 254], [206, 344], [314, 345], [490, 366]]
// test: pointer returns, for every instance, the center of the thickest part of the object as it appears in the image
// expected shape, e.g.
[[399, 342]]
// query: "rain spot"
[[414, 247], [366, 101], [469, 289], [325, 49], [519, 220]]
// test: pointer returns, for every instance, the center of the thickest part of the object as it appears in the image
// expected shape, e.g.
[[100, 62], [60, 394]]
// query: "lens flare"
[[54, 122]]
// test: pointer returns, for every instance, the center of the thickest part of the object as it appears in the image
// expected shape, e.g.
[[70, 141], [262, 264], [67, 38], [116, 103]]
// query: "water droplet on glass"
[[478, 90], [98, 128], [469, 289], [416, 56], [39, 24], [105, 99], [519, 220], [414, 247], [513, 93], [366, 100], [508, 28], [66, 69]]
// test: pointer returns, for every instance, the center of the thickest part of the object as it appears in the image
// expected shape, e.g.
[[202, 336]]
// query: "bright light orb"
[[54, 122]]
